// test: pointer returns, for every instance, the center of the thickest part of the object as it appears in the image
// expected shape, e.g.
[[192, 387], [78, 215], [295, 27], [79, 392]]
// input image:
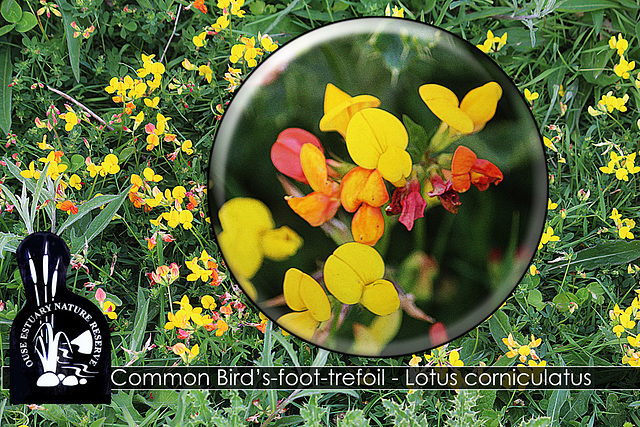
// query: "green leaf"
[[76, 162], [418, 139], [17, 203], [537, 422], [31, 186], [534, 298], [585, 5], [85, 208], [557, 399], [98, 422], [141, 320], [9, 242], [124, 154], [6, 28], [602, 255], [11, 11], [73, 44], [146, 4], [564, 300], [500, 328], [130, 25], [5, 90], [353, 418], [36, 194], [99, 223], [27, 22]]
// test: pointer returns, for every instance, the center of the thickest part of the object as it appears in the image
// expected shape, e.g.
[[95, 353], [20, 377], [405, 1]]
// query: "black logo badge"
[[60, 342]]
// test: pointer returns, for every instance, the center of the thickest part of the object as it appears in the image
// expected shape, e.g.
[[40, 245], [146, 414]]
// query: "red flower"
[[412, 204], [285, 153], [467, 169], [448, 197]]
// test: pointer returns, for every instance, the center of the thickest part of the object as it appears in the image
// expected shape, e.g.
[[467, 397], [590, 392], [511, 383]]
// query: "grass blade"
[[5, 90]]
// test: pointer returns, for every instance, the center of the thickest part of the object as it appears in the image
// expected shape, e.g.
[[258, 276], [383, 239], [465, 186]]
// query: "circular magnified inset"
[[378, 186]]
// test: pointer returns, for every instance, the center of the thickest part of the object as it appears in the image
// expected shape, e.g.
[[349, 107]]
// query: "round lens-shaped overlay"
[[378, 186]]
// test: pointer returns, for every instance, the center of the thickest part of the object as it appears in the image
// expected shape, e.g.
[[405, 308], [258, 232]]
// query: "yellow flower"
[[620, 44], [31, 172], [188, 65], [43, 145], [533, 270], [551, 206], [376, 139], [531, 96], [110, 165], [625, 230], [246, 50], [308, 300], [547, 237], [137, 120], [396, 12], [415, 360], [109, 310], [208, 302], [471, 114], [486, 46], [221, 23], [200, 39], [622, 69], [353, 274], [187, 355], [75, 182], [186, 147], [152, 103], [339, 108], [197, 272], [502, 40], [491, 40], [70, 118], [454, 359], [175, 218], [249, 235], [151, 176], [206, 71], [267, 43]]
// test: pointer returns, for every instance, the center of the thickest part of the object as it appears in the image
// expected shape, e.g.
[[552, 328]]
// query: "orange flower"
[[69, 207], [364, 190], [322, 204], [226, 309], [467, 169], [367, 225], [199, 4]]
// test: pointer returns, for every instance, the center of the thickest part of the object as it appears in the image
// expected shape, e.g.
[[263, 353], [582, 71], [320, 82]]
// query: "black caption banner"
[[369, 378]]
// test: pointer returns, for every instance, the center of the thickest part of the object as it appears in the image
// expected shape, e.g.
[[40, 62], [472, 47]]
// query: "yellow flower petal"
[[293, 279], [480, 104], [445, 105], [302, 292], [243, 213], [381, 297], [375, 135], [300, 323], [280, 244], [242, 252], [394, 164], [339, 108], [351, 267]]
